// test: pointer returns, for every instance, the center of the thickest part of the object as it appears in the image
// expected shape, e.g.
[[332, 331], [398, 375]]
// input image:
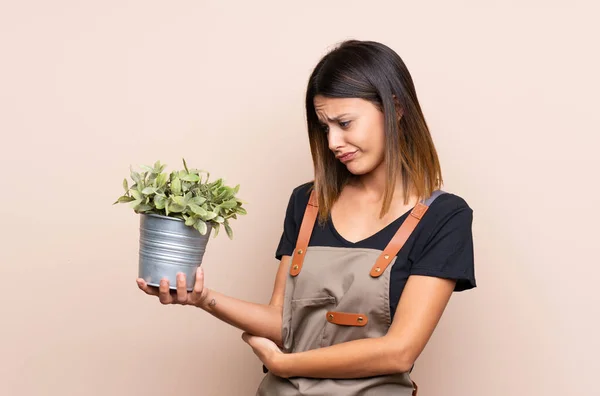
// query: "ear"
[[399, 110]]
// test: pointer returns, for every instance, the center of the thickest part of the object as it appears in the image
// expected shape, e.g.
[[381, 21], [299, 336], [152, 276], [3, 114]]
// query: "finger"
[[163, 292], [182, 293], [153, 291], [198, 284]]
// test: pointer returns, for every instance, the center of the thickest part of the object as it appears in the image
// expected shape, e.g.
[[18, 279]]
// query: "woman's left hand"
[[268, 352]]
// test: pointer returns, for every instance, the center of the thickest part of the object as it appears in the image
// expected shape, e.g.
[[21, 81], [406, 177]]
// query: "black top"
[[441, 245]]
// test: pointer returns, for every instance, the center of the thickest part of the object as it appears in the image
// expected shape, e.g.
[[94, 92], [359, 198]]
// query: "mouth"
[[347, 156]]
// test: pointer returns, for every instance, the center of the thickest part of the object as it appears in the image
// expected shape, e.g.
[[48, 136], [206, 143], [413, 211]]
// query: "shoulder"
[[298, 200], [301, 194], [448, 211], [304, 189], [448, 204], [293, 218], [444, 247]]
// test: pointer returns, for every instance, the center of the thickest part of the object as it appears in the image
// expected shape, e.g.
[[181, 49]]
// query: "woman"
[[371, 250]]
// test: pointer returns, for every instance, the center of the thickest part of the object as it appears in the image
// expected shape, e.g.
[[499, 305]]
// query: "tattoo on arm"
[[212, 303]]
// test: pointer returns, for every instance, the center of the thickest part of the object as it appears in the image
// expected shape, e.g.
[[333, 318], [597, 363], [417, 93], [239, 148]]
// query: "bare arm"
[[258, 319], [420, 309]]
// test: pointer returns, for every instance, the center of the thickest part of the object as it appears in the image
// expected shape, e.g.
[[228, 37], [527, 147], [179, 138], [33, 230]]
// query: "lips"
[[346, 156]]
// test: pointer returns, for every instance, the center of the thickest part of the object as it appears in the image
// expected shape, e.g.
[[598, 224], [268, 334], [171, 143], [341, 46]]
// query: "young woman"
[[371, 250]]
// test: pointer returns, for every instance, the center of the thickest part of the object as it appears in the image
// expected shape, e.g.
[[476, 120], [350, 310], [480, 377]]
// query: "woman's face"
[[355, 132]]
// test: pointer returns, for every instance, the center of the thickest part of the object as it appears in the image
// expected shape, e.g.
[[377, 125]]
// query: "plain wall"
[[510, 92]]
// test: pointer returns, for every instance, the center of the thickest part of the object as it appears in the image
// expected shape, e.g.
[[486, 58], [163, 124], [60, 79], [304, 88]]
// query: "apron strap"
[[386, 256], [306, 228], [401, 236]]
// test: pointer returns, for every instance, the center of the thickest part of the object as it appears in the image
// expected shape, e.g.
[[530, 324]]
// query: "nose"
[[335, 139]]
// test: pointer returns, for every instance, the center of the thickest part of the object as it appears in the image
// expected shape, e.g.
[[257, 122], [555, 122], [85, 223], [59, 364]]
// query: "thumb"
[[245, 336]]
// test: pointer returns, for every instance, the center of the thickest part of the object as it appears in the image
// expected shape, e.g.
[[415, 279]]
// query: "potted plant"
[[178, 212]]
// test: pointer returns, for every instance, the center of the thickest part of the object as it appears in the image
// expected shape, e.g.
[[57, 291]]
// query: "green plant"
[[185, 195]]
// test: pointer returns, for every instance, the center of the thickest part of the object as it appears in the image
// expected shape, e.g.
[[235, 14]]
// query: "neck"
[[373, 184]]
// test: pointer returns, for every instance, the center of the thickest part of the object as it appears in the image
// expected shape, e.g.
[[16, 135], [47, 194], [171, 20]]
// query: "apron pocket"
[[308, 321], [313, 302]]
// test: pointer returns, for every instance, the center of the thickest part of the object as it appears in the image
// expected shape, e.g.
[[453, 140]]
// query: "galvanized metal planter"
[[168, 246]]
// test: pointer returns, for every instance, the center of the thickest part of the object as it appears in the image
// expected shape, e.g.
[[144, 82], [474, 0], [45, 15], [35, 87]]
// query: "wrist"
[[281, 364], [204, 300]]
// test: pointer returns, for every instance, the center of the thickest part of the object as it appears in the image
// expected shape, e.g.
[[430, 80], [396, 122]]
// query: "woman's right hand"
[[181, 295]]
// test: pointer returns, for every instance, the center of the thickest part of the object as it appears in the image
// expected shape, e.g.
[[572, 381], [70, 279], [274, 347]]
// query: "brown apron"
[[335, 295]]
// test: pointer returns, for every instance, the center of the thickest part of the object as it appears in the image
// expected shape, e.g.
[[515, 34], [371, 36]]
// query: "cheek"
[[374, 143], [372, 146]]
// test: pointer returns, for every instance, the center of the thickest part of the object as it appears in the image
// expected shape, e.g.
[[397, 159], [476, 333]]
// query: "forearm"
[[257, 319], [353, 359]]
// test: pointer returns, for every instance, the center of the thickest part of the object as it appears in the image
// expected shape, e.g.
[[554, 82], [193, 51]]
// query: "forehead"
[[332, 107]]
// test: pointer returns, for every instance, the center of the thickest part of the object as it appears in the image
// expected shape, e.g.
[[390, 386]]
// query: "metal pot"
[[168, 246]]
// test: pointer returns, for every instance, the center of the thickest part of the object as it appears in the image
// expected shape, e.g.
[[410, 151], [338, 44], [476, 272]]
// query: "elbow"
[[402, 364], [401, 359]]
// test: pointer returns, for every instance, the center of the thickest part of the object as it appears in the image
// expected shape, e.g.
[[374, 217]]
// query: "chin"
[[357, 170]]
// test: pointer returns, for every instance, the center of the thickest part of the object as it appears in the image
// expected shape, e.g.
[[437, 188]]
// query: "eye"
[[325, 128], [344, 124]]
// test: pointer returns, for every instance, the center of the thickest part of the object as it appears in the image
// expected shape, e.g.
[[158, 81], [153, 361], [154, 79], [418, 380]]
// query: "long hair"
[[372, 71]]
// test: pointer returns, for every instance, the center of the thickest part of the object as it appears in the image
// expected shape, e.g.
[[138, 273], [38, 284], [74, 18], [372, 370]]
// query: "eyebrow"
[[335, 118]]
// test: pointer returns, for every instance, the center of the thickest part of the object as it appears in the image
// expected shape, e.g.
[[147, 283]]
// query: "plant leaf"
[[179, 200], [176, 208], [185, 186], [198, 200], [125, 185], [149, 190], [176, 186], [220, 193], [228, 230], [161, 180], [199, 210], [201, 226], [209, 216], [232, 203], [134, 175], [190, 177], [159, 201], [124, 198]]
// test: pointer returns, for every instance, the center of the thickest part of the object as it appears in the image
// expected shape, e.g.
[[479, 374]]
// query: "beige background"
[[510, 90]]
